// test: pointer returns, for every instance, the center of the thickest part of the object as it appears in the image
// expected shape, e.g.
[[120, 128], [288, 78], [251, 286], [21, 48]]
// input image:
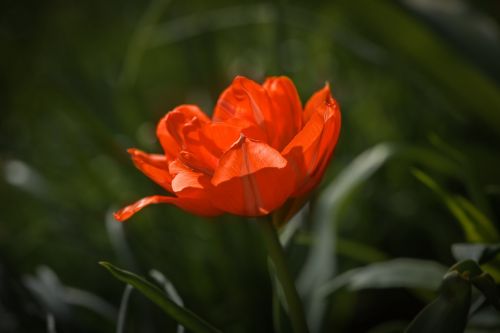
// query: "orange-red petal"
[[187, 182], [316, 100], [287, 110], [245, 101], [310, 150], [154, 166], [192, 205], [170, 128], [327, 146], [219, 136], [252, 179], [196, 150]]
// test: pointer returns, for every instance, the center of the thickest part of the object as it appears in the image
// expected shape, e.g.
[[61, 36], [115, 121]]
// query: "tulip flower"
[[259, 150]]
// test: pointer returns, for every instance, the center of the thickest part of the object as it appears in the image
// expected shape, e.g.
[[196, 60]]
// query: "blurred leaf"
[[59, 298], [485, 320], [122, 314], [118, 240], [482, 253], [476, 226], [140, 40], [487, 286], [51, 323], [465, 170], [218, 19], [156, 295], [484, 223], [483, 281], [277, 314], [359, 251], [399, 273], [289, 230], [280, 305], [448, 313], [471, 91], [170, 290], [396, 273], [167, 286], [48, 289], [467, 268], [83, 298], [352, 249], [320, 264]]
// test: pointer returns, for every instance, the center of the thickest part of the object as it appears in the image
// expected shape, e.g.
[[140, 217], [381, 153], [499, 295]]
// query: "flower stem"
[[277, 255]]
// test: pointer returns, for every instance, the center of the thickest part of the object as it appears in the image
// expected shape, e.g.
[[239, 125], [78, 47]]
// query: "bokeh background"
[[83, 81]]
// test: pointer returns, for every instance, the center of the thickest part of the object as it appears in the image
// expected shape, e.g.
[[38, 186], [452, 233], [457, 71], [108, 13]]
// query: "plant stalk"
[[277, 255]]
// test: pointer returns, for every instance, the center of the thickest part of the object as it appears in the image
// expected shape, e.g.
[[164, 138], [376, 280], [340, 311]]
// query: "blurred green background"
[[83, 81]]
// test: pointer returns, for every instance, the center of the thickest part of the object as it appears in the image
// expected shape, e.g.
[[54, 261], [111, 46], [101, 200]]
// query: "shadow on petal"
[[255, 194]]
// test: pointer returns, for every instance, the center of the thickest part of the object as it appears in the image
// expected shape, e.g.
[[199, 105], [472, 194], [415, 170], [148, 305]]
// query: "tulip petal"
[[219, 137], [169, 145], [316, 100], [170, 127], [192, 205], [193, 190], [154, 166], [327, 145], [245, 102], [187, 182], [310, 150], [243, 99], [287, 110], [252, 179], [197, 152]]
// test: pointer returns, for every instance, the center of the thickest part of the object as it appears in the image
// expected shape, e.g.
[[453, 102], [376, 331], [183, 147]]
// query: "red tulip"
[[259, 150]]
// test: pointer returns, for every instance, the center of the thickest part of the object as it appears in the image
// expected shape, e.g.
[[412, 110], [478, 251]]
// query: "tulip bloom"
[[259, 150]]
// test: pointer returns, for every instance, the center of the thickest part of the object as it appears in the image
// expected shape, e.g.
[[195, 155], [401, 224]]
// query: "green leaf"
[[396, 273], [482, 253], [170, 290], [320, 265], [448, 312], [483, 281], [122, 314], [476, 226], [358, 251], [467, 268], [465, 170], [484, 223], [399, 273], [182, 315], [59, 298], [279, 306], [486, 284]]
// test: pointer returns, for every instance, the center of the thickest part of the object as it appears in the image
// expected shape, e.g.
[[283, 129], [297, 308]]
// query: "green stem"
[[277, 255]]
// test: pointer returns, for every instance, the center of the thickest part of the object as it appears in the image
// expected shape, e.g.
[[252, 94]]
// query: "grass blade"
[[182, 315], [320, 266], [476, 226], [122, 315]]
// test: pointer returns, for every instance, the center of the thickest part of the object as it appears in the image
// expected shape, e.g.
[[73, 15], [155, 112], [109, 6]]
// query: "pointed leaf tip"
[[105, 264]]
